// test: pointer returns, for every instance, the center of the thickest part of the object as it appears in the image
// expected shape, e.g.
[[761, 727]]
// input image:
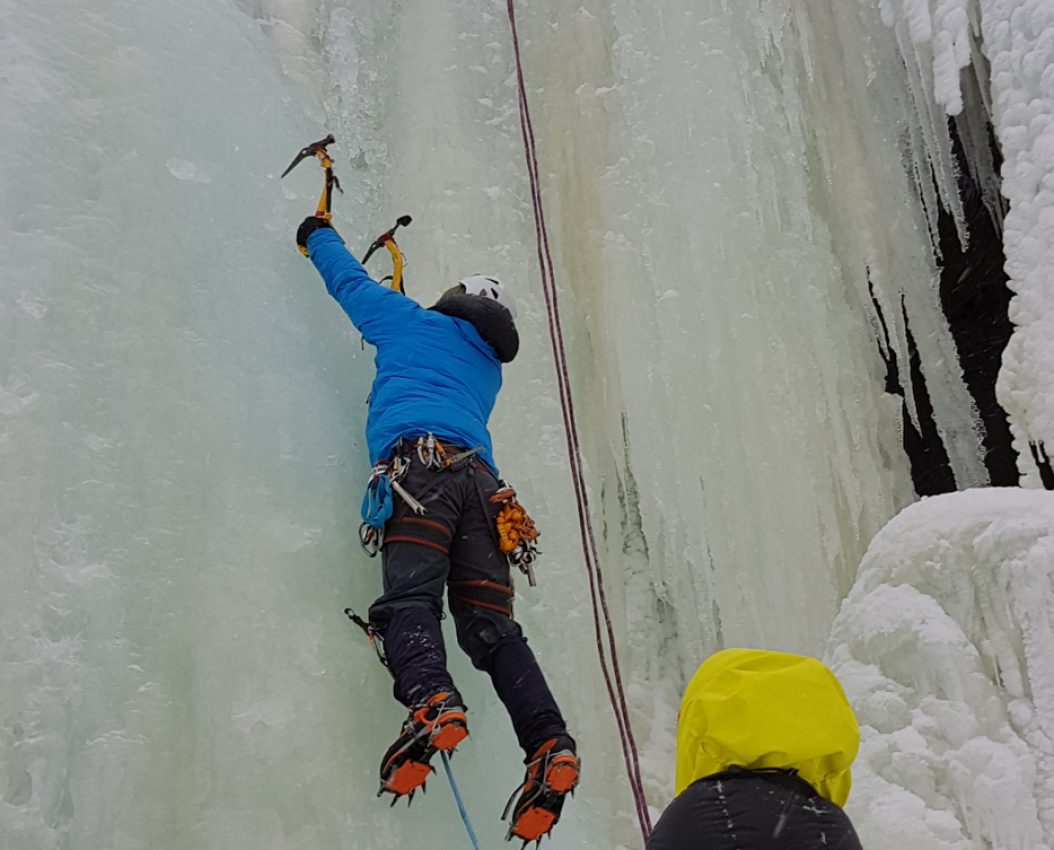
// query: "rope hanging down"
[[460, 803], [612, 677]]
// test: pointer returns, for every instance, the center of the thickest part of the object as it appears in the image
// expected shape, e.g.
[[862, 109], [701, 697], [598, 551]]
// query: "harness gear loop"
[[517, 533], [325, 200], [426, 451], [378, 504], [376, 508], [435, 455], [371, 539]]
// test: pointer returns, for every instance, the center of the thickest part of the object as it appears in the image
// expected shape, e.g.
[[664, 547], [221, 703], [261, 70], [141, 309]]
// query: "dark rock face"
[[931, 470], [975, 299]]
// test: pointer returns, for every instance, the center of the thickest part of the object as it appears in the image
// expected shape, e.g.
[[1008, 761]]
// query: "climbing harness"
[[435, 455], [325, 201], [377, 501], [609, 666], [387, 240], [517, 533]]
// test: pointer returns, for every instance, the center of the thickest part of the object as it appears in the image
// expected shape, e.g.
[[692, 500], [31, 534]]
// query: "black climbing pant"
[[752, 810], [453, 545]]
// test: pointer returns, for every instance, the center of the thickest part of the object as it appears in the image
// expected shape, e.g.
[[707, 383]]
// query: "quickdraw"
[[378, 505], [374, 636], [434, 455], [517, 533], [376, 509], [428, 452]]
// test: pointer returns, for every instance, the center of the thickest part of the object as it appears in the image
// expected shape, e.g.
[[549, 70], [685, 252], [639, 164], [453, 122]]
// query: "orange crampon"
[[437, 726], [552, 774]]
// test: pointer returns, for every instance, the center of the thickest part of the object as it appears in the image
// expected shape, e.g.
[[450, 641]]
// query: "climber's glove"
[[308, 226]]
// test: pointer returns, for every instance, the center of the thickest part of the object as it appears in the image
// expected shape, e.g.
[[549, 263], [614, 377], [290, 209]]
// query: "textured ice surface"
[[1019, 40], [177, 447], [181, 407], [945, 647], [1017, 37], [941, 31]]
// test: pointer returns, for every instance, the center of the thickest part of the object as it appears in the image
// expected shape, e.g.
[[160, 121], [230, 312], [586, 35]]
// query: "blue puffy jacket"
[[435, 373]]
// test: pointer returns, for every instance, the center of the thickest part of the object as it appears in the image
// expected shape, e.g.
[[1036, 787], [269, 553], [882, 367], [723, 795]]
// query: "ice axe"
[[318, 149], [387, 240]]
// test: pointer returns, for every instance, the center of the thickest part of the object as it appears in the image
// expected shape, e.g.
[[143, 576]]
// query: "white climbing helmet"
[[488, 287]]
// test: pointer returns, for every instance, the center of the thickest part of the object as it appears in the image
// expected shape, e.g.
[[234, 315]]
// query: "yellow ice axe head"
[[387, 240], [318, 150]]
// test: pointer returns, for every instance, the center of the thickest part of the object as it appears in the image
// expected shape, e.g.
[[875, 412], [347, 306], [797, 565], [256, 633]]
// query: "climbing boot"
[[552, 774], [437, 725]]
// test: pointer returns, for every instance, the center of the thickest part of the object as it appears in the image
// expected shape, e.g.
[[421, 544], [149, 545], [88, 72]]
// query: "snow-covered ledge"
[[945, 646]]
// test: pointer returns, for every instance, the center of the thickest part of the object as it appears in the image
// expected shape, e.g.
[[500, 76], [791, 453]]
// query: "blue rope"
[[457, 798]]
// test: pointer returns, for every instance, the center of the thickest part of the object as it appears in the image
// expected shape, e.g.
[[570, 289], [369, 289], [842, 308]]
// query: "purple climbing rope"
[[609, 667]]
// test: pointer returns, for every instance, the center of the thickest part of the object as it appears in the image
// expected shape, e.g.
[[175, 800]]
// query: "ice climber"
[[765, 741], [438, 375]]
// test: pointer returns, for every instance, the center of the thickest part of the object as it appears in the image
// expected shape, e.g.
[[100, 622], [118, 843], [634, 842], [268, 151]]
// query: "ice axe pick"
[[318, 149]]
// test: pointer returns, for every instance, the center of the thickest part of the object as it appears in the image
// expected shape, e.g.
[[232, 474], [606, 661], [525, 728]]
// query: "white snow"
[[181, 405], [1019, 38], [944, 647]]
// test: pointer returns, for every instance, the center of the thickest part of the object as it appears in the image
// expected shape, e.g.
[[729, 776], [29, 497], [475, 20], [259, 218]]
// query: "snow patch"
[[1019, 44], [945, 647]]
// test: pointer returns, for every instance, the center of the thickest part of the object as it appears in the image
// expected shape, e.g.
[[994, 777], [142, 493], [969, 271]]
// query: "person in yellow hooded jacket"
[[765, 742]]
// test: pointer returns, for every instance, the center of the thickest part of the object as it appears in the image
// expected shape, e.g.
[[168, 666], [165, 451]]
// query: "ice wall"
[[177, 424], [713, 247], [944, 647], [181, 407], [733, 226]]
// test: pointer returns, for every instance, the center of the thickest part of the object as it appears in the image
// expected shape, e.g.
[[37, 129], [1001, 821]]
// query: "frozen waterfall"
[[740, 193]]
